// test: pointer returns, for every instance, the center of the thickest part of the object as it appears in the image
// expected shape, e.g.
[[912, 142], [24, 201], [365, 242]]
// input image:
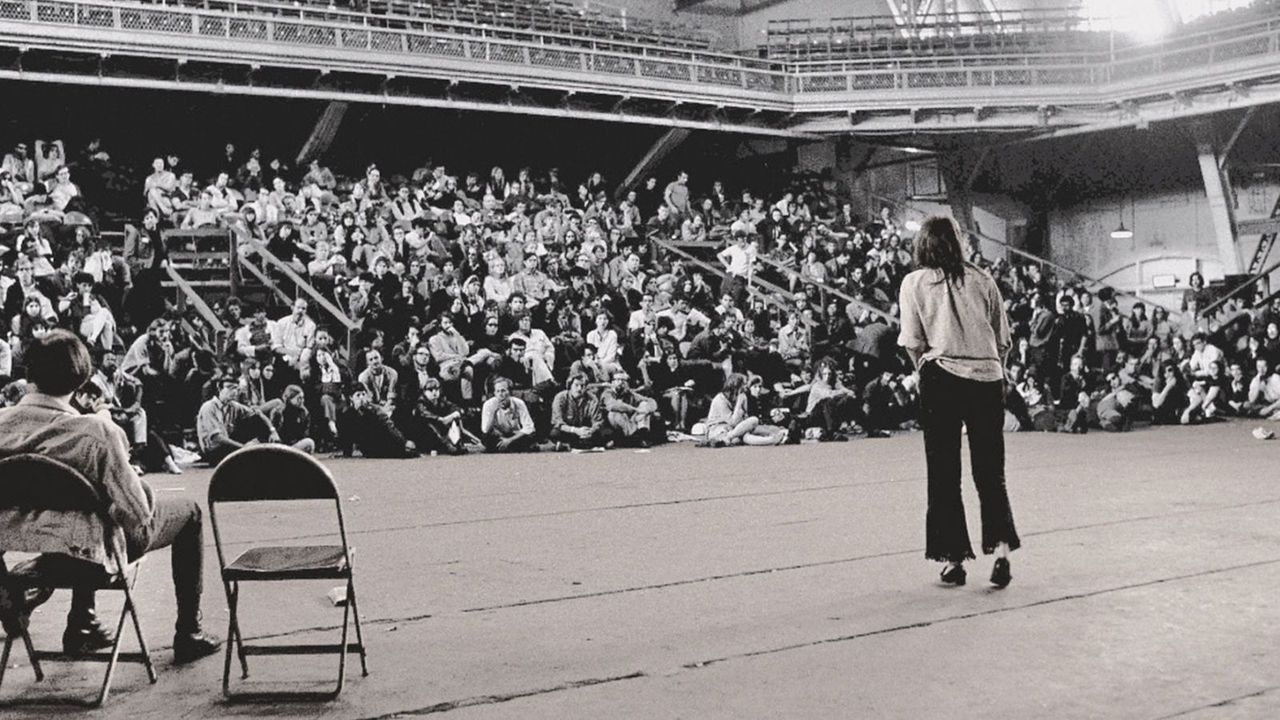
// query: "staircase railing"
[[304, 288], [188, 294], [830, 290], [1213, 307], [1174, 312], [777, 296]]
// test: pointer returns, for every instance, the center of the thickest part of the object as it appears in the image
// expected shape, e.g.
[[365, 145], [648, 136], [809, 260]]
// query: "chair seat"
[[289, 562], [52, 570]]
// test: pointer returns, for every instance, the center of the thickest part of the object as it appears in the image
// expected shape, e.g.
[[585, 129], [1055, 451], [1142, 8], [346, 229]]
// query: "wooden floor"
[[756, 583]]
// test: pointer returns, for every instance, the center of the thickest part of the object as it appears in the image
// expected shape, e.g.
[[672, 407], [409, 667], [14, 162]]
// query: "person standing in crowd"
[[956, 331]]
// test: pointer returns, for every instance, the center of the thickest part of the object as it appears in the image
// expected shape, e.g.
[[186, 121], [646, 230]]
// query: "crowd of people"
[[514, 313]]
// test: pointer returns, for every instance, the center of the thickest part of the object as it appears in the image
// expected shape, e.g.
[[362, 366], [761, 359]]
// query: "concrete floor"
[[756, 583]]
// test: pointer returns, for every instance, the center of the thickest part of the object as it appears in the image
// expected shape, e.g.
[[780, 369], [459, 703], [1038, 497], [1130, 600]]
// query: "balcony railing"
[[402, 38]]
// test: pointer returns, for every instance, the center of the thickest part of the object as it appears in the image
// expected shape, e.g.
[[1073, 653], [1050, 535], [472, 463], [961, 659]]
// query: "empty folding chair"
[[48, 507], [276, 473]]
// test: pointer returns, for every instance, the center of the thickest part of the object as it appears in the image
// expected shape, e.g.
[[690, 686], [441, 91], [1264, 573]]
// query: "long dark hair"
[[938, 246]]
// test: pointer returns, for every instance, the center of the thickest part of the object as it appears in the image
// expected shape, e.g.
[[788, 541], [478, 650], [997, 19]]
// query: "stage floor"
[[754, 583]]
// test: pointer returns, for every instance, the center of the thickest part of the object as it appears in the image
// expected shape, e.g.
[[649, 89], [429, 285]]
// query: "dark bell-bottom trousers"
[[948, 402]]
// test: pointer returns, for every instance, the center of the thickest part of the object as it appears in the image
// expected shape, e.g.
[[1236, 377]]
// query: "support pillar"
[[1218, 191], [957, 170]]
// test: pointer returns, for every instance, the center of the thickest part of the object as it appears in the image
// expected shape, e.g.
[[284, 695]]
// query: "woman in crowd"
[[729, 424], [292, 421], [98, 327]]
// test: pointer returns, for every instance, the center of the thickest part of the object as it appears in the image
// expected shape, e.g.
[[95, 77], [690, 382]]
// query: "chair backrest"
[[270, 472], [48, 506], [35, 482]]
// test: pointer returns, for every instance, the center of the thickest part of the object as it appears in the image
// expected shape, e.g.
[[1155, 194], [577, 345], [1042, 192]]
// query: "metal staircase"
[[1265, 244]]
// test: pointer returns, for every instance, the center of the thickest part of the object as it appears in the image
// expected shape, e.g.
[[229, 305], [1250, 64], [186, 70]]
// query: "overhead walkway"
[[310, 51]]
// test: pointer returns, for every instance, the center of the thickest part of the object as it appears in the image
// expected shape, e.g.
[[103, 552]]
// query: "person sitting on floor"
[[292, 420], [224, 424], [505, 422], [632, 417], [367, 427], [45, 423], [728, 422], [436, 422], [576, 419]]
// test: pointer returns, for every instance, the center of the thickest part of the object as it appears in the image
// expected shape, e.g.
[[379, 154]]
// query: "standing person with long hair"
[[955, 329]]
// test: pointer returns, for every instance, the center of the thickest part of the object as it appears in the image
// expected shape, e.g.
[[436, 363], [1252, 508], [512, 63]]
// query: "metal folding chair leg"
[[115, 654], [233, 638], [239, 637], [342, 655], [142, 643], [31, 654], [355, 612]]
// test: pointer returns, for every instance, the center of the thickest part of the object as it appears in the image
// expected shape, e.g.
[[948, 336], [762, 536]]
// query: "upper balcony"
[[392, 53]]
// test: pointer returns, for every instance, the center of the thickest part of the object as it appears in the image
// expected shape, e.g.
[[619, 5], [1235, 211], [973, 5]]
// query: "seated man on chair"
[[45, 423]]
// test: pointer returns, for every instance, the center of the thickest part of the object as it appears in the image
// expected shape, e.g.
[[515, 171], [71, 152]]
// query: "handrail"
[[1213, 307], [1173, 314], [1145, 260], [220, 331], [304, 286], [843, 27], [831, 290], [327, 27], [263, 278], [1268, 299], [450, 27], [771, 298]]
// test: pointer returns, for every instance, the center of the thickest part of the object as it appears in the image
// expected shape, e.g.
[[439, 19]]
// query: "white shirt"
[[1200, 360], [737, 259]]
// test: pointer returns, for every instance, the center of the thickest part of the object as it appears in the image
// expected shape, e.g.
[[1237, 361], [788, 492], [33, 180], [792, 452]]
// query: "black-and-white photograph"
[[643, 359]]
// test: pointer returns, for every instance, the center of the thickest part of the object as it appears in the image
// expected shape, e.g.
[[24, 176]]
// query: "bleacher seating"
[[1043, 31], [551, 16]]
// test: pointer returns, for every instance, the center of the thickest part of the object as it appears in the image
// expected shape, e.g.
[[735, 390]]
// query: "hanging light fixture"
[[1122, 232]]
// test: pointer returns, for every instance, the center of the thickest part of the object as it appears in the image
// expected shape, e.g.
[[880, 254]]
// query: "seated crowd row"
[[605, 336]]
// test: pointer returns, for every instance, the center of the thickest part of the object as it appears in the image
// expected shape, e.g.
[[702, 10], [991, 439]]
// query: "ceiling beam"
[[312, 93]]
